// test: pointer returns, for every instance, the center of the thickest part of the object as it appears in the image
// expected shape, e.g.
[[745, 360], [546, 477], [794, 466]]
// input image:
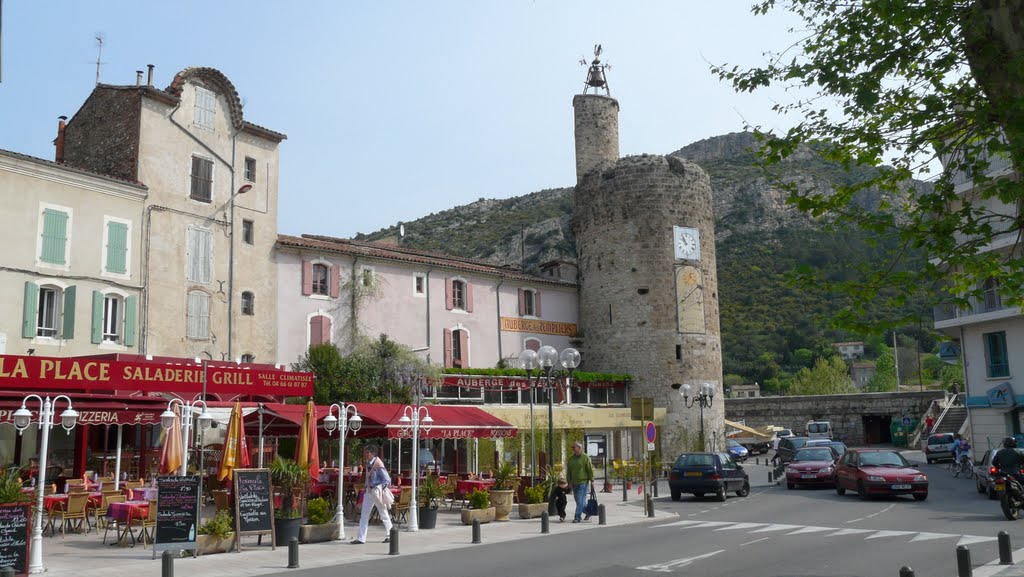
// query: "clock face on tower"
[[686, 242]]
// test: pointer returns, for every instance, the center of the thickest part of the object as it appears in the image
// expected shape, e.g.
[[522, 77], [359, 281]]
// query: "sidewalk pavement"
[[85, 556]]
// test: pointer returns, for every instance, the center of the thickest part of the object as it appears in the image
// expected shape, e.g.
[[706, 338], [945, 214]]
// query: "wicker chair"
[[75, 512], [400, 509], [450, 489], [101, 511], [118, 498], [146, 525]]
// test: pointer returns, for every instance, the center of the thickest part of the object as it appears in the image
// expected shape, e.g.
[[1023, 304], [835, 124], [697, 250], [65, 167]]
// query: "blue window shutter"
[[28, 326], [97, 318], [117, 247], [55, 235], [69, 313], [131, 315]]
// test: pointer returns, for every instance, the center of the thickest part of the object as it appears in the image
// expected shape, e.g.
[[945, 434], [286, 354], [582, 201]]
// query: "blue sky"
[[395, 110]]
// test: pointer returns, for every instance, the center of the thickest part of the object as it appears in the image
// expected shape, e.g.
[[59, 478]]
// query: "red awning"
[[92, 410], [450, 422]]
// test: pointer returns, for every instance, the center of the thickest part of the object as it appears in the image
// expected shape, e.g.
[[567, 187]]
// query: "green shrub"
[[479, 499], [10, 487], [535, 494], [318, 511], [220, 526]]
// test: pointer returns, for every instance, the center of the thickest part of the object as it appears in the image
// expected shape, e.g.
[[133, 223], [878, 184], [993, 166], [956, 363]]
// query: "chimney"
[[138, 78], [60, 140], [149, 80]]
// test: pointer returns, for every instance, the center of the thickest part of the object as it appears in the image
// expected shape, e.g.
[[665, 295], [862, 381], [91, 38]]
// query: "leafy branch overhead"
[[895, 87]]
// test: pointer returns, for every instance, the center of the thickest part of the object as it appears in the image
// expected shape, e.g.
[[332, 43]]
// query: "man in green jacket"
[[579, 472]]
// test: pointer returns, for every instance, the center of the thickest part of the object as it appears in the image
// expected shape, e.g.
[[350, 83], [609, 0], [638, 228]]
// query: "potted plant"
[[319, 526], [429, 493], [215, 535], [535, 503], [479, 508], [503, 490], [288, 477]]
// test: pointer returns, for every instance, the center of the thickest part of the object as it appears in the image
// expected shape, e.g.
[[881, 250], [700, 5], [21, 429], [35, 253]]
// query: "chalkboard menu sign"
[[14, 539], [177, 512], [254, 509]]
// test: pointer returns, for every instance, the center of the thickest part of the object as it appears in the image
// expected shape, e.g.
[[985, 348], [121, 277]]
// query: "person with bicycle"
[[960, 450]]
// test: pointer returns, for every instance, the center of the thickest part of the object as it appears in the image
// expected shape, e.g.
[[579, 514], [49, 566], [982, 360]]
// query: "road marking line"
[[880, 512], [755, 541], [713, 524], [776, 527], [972, 539], [669, 566], [677, 524], [812, 529], [881, 534], [742, 526], [855, 520], [930, 536], [849, 532]]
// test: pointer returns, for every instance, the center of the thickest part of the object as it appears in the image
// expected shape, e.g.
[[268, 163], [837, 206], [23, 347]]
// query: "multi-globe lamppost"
[[704, 398], [547, 379], [22, 419], [416, 417], [167, 419], [343, 422]]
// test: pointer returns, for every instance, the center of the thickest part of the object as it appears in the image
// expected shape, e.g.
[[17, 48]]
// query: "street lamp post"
[[231, 265], [22, 419], [704, 398], [546, 358], [203, 421], [414, 416], [528, 358], [344, 422]]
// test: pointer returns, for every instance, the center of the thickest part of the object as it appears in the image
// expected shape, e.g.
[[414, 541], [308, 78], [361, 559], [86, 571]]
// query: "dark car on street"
[[983, 473], [812, 466], [788, 447], [872, 472], [707, 473]]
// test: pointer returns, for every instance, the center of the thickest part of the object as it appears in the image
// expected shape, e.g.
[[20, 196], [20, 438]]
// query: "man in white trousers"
[[377, 483]]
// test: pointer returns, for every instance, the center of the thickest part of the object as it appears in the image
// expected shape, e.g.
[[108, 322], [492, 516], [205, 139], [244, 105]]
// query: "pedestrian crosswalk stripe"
[[805, 529], [776, 527], [712, 524], [881, 534], [971, 539], [849, 532], [930, 536], [811, 530], [741, 526], [678, 524]]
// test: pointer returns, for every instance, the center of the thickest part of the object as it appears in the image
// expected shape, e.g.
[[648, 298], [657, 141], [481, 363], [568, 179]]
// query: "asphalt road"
[[774, 532]]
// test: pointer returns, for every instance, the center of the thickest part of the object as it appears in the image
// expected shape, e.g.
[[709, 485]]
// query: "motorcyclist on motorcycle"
[[1008, 459], [1008, 462]]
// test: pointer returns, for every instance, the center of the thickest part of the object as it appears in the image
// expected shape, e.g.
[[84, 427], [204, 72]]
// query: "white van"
[[818, 430]]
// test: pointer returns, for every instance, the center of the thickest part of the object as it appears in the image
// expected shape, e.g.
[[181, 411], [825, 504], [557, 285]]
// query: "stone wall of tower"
[[623, 222], [597, 131]]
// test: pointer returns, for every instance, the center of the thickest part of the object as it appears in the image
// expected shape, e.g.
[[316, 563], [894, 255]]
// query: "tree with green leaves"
[[893, 87], [829, 376], [884, 379]]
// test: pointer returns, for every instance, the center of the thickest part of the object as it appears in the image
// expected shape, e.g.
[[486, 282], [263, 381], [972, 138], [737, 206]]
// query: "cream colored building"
[[209, 224]]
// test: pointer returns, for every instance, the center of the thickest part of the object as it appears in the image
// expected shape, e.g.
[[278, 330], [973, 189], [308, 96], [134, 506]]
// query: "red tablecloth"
[[467, 486], [127, 510], [50, 501]]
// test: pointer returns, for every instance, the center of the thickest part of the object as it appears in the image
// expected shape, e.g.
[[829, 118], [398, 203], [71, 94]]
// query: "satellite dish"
[[401, 230]]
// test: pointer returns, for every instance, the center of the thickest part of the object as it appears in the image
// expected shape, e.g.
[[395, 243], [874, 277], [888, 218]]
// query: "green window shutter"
[[69, 313], [55, 236], [28, 326], [131, 315], [117, 247], [97, 318]]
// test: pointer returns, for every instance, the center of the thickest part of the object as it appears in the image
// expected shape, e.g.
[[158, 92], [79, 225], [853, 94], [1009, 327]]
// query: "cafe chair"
[[400, 509], [449, 489], [146, 525], [221, 500], [101, 511], [108, 499], [75, 513]]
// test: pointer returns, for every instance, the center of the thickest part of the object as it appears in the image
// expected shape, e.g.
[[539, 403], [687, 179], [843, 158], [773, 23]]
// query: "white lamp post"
[[547, 357], [415, 416], [347, 422], [22, 419], [529, 360], [205, 418]]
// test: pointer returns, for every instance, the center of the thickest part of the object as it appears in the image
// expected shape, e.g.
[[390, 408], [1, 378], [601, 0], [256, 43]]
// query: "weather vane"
[[595, 75]]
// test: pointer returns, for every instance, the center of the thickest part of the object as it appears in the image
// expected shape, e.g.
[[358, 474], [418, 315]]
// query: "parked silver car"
[[939, 446]]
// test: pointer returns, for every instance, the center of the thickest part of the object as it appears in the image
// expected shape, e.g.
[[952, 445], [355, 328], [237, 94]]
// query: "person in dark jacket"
[[561, 491]]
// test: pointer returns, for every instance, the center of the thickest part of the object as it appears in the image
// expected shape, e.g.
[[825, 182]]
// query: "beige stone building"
[[209, 224]]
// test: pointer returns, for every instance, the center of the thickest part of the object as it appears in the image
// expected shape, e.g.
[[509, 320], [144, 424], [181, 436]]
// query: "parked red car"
[[812, 466], [879, 472]]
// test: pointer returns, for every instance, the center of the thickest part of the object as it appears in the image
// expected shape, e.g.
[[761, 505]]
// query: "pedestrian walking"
[[929, 422], [561, 491], [377, 493], [579, 472]]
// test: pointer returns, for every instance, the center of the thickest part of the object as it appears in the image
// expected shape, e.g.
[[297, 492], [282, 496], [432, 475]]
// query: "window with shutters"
[[529, 302], [248, 303], [116, 253], [202, 179], [459, 294], [54, 236], [248, 358], [112, 318], [206, 108], [321, 279], [996, 358], [250, 169], [459, 338], [48, 311], [199, 242], [319, 330], [198, 316]]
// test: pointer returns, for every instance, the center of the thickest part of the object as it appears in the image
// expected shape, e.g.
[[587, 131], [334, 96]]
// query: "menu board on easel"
[[14, 541], [177, 513], [254, 507]]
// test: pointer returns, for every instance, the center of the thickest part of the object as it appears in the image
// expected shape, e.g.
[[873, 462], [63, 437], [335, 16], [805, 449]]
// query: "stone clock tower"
[[645, 245]]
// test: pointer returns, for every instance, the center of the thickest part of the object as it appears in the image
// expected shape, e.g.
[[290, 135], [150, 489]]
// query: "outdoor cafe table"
[[143, 493], [123, 513], [467, 486], [50, 501]]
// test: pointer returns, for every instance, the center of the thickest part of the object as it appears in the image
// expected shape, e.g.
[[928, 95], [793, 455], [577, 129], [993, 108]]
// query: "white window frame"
[[465, 356], [415, 277], [67, 244], [55, 308], [61, 287], [533, 303], [128, 252], [327, 279], [456, 308], [213, 178], [249, 176], [365, 273], [121, 296], [188, 256], [188, 313], [247, 358], [205, 110], [318, 313]]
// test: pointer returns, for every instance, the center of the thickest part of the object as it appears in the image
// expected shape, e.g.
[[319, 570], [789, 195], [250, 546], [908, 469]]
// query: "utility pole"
[[896, 360]]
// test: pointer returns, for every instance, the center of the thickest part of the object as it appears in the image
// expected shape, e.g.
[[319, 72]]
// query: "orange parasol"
[[236, 449], [307, 449], [171, 455]]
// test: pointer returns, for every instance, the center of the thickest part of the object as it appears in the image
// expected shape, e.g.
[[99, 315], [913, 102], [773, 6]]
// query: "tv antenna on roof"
[[99, 57]]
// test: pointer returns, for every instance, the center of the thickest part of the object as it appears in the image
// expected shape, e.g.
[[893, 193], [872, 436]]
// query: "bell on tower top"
[[595, 74]]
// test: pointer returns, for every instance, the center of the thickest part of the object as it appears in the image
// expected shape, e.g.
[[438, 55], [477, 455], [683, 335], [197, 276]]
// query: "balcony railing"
[[990, 302]]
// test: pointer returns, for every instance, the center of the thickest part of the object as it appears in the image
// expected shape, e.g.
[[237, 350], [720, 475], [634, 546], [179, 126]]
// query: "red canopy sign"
[[92, 374], [449, 422]]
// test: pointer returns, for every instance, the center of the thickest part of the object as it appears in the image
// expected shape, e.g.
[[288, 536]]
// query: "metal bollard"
[[476, 530], [770, 479], [293, 553], [906, 571], [544, 520], [650, 506], [655, 483], [393, 542], [601, 519], [167, 564], [1005, 553], [963, 561], [623, 489]]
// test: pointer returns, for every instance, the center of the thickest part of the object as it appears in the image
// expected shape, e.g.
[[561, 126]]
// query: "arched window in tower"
[[690, 300]]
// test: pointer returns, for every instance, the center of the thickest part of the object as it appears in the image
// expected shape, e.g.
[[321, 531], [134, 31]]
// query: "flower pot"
[[501, 500], [531, 510], [319, 533], [209, 544], [427, 517], [482, 515], [285, 529]]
